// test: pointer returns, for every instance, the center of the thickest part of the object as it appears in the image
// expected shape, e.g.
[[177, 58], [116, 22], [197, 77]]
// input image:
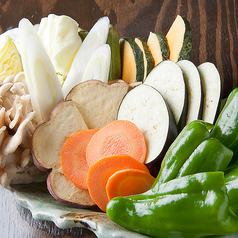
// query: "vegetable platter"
[[125, 136]]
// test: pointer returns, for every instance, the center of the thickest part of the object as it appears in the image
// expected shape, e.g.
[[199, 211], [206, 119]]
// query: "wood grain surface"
[[214, 34]]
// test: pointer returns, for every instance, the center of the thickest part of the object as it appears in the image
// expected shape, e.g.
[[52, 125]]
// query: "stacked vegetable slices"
[[98, 164]]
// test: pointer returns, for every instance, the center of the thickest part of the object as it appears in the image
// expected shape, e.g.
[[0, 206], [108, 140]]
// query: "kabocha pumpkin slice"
[[158, 46], [98, 102], [47, 143], [132, 60], [118, 137], [101, 171], [115, 66], [148, 58], [179, 39]]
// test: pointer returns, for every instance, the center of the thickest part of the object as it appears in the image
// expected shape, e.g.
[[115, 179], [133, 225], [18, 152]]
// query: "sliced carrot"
[[102, 170], [128, 182], [73, 157], [118, 137]]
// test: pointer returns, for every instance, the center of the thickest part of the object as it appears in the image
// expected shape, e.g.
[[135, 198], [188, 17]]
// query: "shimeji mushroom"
[[17, 124]]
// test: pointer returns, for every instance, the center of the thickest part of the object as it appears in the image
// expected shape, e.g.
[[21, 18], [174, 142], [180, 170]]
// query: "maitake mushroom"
[[17, 124]]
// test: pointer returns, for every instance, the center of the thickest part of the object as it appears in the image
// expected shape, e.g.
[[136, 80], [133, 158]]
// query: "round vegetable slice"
[[73, 157], [167, 78], [145, 106], [102, 170], [128, 182], [118, 137]]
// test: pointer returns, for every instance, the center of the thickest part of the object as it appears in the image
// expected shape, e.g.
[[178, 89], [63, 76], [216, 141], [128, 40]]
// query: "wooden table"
[[214, 26]]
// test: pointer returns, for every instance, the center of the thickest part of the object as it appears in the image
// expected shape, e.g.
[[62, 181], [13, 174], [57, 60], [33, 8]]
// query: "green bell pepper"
[[180, 150], [231, 181], [226, 126], [210, 155], [190, 207]]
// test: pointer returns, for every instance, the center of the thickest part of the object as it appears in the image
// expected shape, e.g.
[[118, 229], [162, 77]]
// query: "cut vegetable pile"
[[131, 126]]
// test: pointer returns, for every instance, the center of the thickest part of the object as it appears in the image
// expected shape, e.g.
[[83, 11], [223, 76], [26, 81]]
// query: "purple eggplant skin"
[[172, 131], [183, 117], [50, 187], [154, 165]]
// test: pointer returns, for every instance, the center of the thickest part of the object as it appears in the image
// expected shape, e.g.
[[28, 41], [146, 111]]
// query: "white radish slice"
[[211, 84], [194, 89], [167, 78], [145, 106], [96, 37], [99, 65]]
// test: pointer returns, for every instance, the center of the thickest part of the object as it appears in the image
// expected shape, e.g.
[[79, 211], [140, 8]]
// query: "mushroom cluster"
[[17, 124]]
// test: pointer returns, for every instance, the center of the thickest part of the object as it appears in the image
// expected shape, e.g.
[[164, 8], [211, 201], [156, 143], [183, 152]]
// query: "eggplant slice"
[[145, 106], [167, 78], [211, 84], [194, 88]]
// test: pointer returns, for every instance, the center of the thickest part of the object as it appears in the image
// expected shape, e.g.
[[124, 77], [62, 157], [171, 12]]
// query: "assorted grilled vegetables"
[[131, 126]]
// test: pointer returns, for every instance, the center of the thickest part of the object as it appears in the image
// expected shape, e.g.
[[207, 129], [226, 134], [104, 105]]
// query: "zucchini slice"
[[148, 58], [194, 88], [132, 61], [115, 66], [82, 33], [211, 84], [179, 39], [158, 46], [145, 106], [167, 78]]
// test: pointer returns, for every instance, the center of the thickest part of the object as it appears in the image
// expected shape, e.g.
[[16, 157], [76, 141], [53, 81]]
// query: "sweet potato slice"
[[63, 190], [47, 143], [100, 108], [49, 137]]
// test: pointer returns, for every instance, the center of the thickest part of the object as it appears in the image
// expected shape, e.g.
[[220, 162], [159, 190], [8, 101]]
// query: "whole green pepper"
[[226, 126], [231, 181], [180, 150], [190, 207], [210, 155]]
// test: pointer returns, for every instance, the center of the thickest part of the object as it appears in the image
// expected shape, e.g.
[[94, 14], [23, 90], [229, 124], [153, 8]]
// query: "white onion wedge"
[[41, 78], [99, 65], [96, 37]]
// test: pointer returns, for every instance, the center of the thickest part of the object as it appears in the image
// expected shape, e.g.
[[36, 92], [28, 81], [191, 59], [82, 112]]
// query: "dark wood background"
[[214, 34]]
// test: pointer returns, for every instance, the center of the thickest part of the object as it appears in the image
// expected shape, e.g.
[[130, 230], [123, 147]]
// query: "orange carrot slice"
[[73, 157], [118, 137], [102, 170], [128, 182]]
